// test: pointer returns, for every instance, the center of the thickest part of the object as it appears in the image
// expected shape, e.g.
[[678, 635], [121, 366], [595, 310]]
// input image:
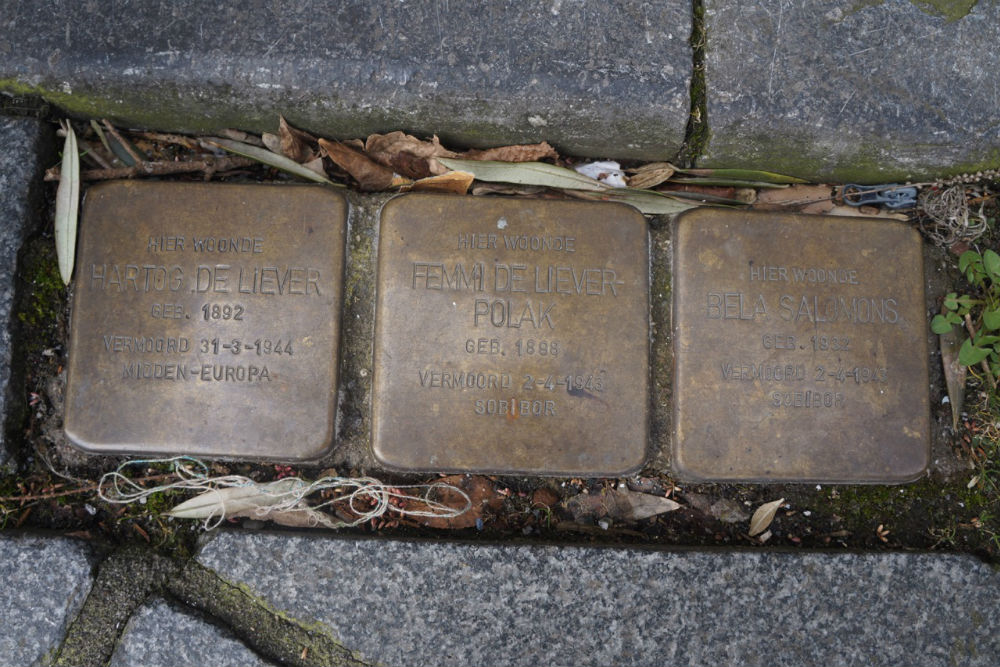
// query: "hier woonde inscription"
[[800, 347], [204, 316], [511, 336]]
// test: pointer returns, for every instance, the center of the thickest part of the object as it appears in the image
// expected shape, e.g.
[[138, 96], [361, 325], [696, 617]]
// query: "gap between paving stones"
[[133, 574]]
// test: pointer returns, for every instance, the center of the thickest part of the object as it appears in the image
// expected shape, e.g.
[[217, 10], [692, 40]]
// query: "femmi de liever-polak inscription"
[[205, 318], [510, 336], [800, 348]]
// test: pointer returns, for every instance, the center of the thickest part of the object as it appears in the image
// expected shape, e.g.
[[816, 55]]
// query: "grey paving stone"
[[24, 144], [595, 78], [162, 634], [422, 603], [852, 90], [44, 583]]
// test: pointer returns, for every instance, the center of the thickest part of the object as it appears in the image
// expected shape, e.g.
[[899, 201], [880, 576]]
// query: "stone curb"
[[592, 78]]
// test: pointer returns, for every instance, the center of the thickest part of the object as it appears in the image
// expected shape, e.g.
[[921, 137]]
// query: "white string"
[[369, 499]]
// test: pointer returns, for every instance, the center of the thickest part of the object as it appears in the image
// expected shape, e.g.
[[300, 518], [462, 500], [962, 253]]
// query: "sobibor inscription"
[[800, 349], [206, 320], [511, 336]]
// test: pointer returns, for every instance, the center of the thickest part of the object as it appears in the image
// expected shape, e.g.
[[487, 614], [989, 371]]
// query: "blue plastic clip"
[[892, 195]]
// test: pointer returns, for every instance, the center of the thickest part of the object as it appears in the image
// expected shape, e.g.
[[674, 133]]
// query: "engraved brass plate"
[[511, 336], [800, 349], [206, 320]]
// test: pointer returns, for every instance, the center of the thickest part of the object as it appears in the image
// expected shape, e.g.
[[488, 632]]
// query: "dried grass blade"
[[524, 173], [265, 156]]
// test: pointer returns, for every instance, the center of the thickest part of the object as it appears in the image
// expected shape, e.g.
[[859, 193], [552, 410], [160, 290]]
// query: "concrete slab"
[[419, 603], [45, 581], [849, 91], [593, 78], [25, 143], [162, 634]]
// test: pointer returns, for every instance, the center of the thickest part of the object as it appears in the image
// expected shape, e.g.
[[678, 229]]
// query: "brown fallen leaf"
[[295, 143], [619, 505], [763, 517], [482, 493], [954, 373], [515, 153], [272, 142], [406, 154], [316, 165], [650, 175], [456, 182], [794, 197], [370, 175]]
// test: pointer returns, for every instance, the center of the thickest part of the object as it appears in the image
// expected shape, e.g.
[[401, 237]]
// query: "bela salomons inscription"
[[206, 320], [800, 349], [511, 336]]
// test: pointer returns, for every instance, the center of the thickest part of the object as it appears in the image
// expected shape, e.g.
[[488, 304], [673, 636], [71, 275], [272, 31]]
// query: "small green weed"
[[978, 312]]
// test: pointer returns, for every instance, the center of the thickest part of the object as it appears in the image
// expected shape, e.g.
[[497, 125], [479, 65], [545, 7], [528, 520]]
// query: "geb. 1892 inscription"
[[800, 349], [511, 336], [206, 320]]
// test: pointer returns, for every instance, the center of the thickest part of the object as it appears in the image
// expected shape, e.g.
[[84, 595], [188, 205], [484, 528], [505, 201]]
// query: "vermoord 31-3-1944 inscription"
[[206, 320], [800, 349], [511, 336]]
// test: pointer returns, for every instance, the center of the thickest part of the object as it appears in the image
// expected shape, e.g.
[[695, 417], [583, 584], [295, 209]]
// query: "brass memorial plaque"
[[511, 336], [206, 320], [800, 349]]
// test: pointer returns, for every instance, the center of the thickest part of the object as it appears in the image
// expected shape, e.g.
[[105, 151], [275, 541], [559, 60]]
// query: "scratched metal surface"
[[206, 320], [511, 336], [800, 349]]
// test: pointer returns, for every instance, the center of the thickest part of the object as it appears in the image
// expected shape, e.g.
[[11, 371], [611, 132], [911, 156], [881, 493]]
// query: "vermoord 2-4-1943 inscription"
[[206, 320], [800, 349], [511, 336]]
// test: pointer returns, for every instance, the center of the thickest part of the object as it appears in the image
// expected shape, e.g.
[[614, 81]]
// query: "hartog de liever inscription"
[[800, 349], [511, 336], [206, 320]]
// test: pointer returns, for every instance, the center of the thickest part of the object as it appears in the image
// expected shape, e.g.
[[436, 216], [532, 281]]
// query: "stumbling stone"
[[852, 91], [800, 349], [26, 144], [46, 580], [206, 320], [511, 336]]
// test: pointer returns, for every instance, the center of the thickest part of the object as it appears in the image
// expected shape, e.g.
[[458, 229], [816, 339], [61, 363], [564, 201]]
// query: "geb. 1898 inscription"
[[511, 336], [800, 349], [206, 320]]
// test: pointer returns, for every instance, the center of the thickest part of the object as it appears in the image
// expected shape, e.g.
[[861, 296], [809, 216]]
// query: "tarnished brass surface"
[[511, 336], [800, 349], [206, 320]]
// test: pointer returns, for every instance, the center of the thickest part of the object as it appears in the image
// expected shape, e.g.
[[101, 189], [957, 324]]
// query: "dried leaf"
[[370, 175], [67, 205], [316, 165], [296, 144], [406, 154], [649, 202], [516, 153], [230, 501], [241, 137], [619, 506], [300, 516], [727, 511], [506, 189], [762, 518], [705, 195], [650, 175], [744, 175], [794, 198], [524, 173], [270, 159], [954, 373], [272, 142], [456, 182], [482, 493]]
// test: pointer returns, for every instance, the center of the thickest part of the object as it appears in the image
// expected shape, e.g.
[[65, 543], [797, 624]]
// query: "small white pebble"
[[603, 524], [806, 513]]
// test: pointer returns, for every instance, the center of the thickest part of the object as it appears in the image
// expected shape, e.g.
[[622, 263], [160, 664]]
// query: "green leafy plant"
[[979, 312]]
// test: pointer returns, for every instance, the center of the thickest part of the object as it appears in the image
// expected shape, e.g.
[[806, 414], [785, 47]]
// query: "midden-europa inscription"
[[800, 348], [511, 335], [206, 320]]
